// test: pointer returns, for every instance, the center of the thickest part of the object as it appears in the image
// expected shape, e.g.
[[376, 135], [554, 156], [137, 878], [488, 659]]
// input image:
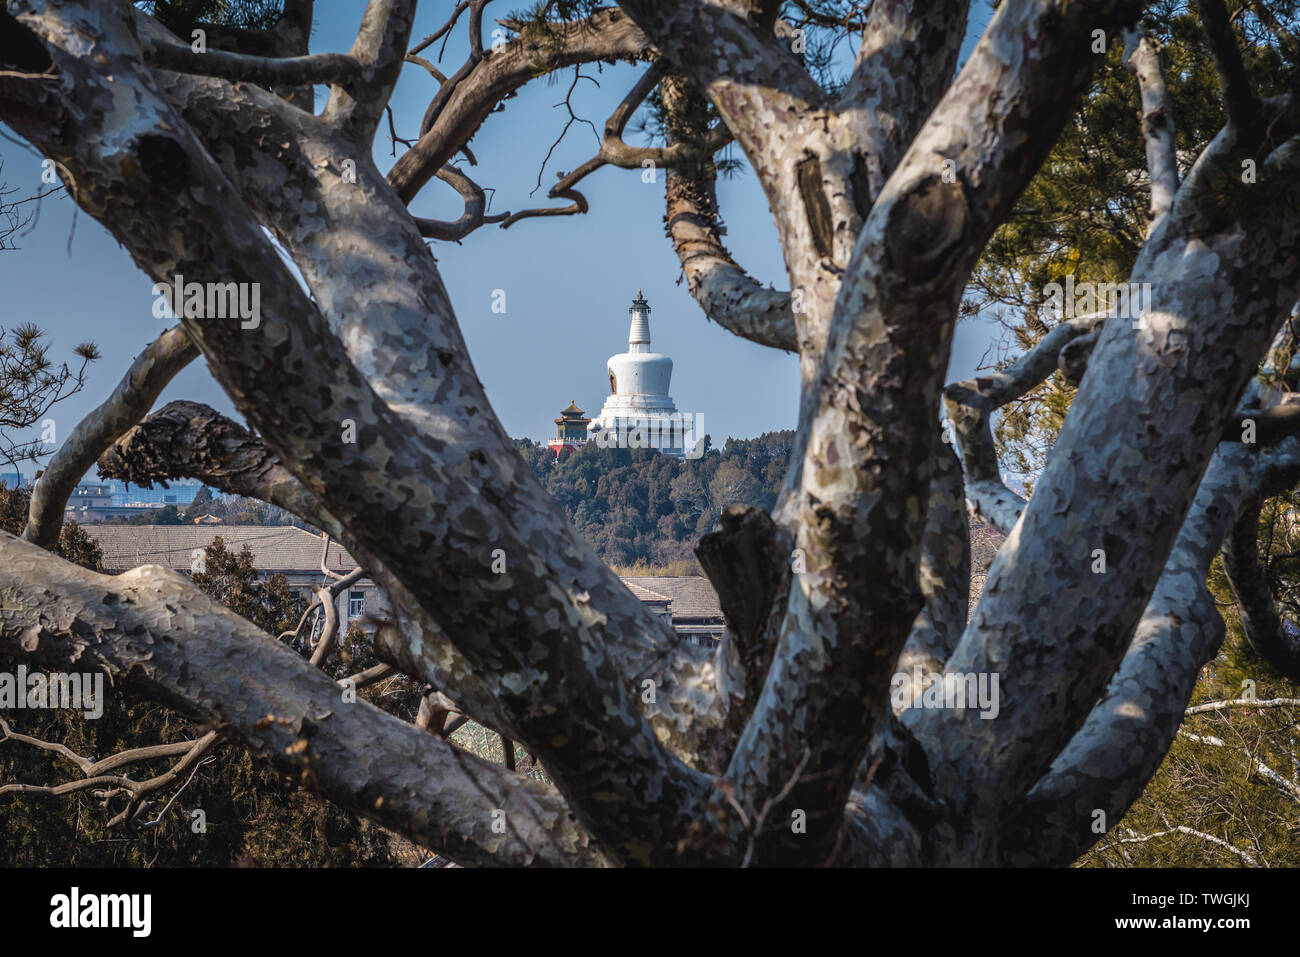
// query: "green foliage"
[[248, 14], [640, 506], [30, 384], [232, 580]]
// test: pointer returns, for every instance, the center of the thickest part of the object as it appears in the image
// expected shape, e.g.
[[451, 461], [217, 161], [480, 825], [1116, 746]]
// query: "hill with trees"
[[639, 508]]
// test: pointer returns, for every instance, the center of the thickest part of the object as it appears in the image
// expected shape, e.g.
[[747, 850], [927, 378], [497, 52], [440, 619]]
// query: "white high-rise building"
[[639, 412]]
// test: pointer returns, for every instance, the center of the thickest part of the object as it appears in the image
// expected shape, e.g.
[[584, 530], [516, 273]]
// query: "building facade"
[[570, 430]]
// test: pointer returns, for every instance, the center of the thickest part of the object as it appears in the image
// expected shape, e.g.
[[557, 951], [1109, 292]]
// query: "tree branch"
[[1142, 57], [356, 106], [1255, 604], [944, 570], [168, 53], [149, 374], [212, 665], [469, 97], [1239, 99], [970, 405], [475, 214]]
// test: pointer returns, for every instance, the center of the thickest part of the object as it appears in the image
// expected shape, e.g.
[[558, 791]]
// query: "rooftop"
[[284, 548], [275, 548], [692, 596]]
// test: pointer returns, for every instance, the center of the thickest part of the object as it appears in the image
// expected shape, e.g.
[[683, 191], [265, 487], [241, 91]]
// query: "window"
[[356, 604]]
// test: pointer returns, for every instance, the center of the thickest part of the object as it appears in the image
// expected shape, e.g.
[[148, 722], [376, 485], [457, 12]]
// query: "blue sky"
[[568, 280]]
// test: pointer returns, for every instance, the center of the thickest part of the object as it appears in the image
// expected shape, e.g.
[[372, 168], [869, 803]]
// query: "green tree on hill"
[[640, 507]]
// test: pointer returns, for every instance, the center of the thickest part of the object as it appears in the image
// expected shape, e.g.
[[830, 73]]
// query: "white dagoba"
[[639, 412]]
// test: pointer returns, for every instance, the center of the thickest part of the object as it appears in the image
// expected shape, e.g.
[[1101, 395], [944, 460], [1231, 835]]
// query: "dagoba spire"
[[638, 336]]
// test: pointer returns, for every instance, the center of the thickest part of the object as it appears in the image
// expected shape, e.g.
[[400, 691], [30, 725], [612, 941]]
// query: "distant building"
[[90, 496], [179, 492], [570, 430], [14, 479], [89, 502], [277, 549], [688, 603]]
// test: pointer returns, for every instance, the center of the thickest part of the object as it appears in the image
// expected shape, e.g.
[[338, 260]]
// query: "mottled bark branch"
[[726, 293], [888, 97], [192, 440], [1126, 735], [868, 461], [169, 53], [1142, 57], [356, 106], [156, 635], [187, 439], [748, 562], [1072, 360], [970, 405], [1106, 511], [622, 768], [1255, 604], [148, 376], [944, 570], [1109, 760]]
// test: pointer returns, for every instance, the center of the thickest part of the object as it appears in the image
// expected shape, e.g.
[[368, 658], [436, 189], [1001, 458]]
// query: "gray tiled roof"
[[644, 594], [692, 595], [283, 548], [275, 548]]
